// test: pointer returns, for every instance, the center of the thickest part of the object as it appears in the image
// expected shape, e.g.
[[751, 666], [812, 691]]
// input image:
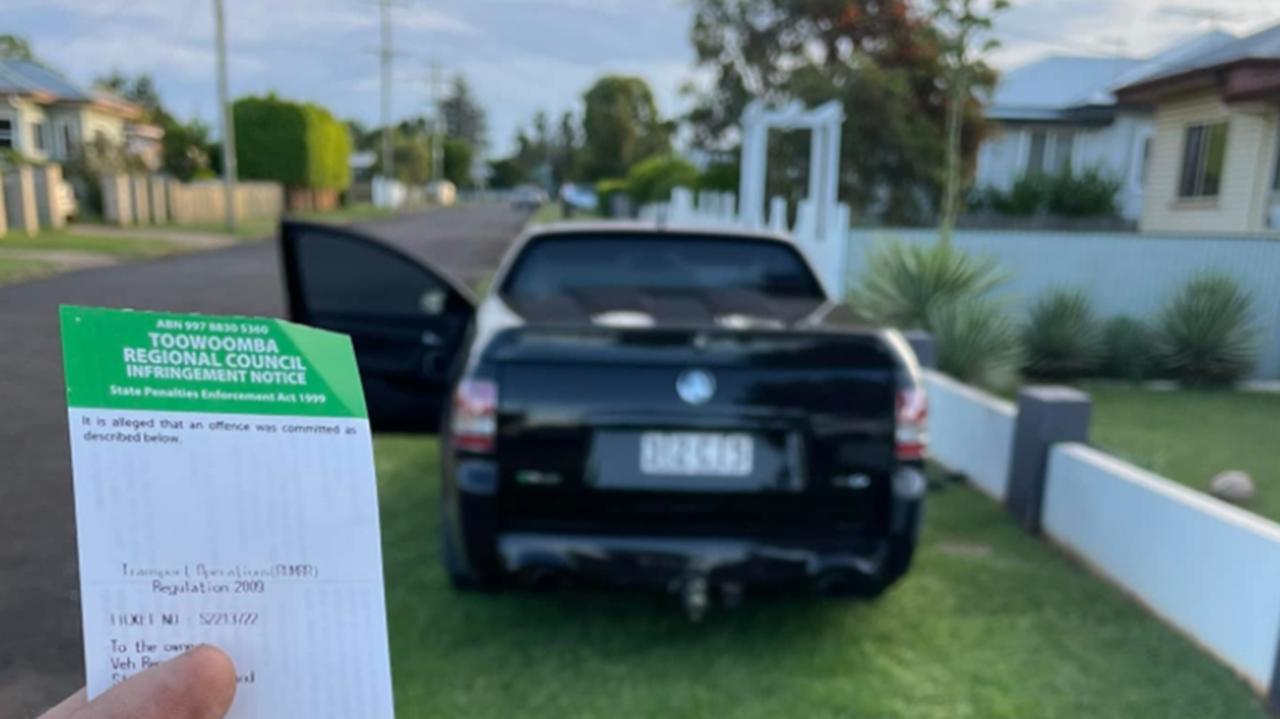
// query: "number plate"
[[691, 454]]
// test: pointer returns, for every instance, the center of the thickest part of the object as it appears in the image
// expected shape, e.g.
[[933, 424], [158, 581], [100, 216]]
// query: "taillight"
[[911, 437], [475, 415]]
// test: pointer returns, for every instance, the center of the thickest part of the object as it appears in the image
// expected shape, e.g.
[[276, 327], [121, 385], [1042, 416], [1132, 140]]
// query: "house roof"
[[1081, 89], [46, 85], [1259, 49], [23, 77]]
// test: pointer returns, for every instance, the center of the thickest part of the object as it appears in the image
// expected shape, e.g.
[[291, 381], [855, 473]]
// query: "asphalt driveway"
[[40, 646]]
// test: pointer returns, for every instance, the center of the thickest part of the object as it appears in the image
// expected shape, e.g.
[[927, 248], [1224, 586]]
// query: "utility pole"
[[437, 125], [388, 169], [227, 124]]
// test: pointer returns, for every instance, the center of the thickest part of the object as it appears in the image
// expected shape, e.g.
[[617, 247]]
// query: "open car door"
[[408, 322]]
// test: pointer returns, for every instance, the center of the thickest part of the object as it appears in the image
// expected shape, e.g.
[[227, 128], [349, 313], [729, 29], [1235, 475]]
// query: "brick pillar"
[[1047, 415], [4, 223], [117, 208], [140, 196], [159, 185], [48, 181], [20, 200]]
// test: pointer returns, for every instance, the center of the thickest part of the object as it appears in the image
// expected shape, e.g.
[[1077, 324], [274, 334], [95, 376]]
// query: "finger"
[[66, 707], [199, 684]]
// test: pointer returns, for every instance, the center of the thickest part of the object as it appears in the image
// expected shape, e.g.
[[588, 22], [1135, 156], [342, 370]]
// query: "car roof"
[[596, 227]]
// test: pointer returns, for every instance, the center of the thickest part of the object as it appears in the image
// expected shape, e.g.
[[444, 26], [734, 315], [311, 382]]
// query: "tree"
[[621, 126], [882, 59], [457, 161], [959, 21], [463, 116], [16, 47]]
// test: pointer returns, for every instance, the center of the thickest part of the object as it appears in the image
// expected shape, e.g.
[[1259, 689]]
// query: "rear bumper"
[[660, 560]]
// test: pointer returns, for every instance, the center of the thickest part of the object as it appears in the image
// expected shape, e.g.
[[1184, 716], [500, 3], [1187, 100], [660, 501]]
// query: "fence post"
[[925, 347], [1046, 415], [116, 206], [158, 187], [48, 180], [20, 200]]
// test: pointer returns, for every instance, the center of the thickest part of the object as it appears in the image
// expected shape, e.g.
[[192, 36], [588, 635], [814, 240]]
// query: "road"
[[40, 648]]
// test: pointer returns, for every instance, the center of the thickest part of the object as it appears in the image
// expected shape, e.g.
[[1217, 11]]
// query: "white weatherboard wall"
[[1209, 568], [970, 432], [1122, 273]]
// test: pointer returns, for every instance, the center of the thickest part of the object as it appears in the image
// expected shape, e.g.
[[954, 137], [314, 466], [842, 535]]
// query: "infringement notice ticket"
[[225, 494]]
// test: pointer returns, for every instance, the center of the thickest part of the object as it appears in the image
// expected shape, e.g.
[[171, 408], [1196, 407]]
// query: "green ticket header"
[[122, 359]]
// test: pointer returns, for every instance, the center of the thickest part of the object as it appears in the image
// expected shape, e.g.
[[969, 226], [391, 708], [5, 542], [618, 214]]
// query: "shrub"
[[295, 144], [605, 190], [1061, 338], [1128, 349], [1028, 196], [905, 284], [719, 177], [1204, 331], [1088, 194], [652, 180], [977, 342]]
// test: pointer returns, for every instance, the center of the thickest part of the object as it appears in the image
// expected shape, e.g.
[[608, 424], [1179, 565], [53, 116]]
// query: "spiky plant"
[[1061, 338], [1205, 332], [905, 284], [977, 342], [1128, 349]]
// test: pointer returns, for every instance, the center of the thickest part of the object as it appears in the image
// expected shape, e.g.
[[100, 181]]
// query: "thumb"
[[199, 684]]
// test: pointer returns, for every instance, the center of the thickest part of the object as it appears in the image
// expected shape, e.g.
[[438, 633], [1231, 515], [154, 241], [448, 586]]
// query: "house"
[[1215, 157], [44, 116], [1061, 114]]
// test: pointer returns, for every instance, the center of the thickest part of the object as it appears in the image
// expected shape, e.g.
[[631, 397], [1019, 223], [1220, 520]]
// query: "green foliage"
[[463, 116], [1205, 332], [17, 47], [505, 173], [621, 126], [606, 189], [295, 144], [653, 179], [1091, 193], [1061, 338], [1088, 194], [886, 58], [185, 148], [905, 284], [977, 341], [719, 177], [1129, 349], [457, 162]]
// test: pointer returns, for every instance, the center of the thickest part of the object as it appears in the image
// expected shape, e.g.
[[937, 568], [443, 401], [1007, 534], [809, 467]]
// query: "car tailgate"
[[579, 409]]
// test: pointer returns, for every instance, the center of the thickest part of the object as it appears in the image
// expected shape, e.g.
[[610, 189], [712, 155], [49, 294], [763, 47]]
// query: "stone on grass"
[[1233, 486]]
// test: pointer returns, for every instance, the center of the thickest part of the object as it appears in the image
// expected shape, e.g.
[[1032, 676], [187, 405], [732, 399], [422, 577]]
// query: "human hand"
[[199, 684]]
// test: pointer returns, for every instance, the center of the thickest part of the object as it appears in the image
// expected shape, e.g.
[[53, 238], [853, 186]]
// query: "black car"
[[680, 408]]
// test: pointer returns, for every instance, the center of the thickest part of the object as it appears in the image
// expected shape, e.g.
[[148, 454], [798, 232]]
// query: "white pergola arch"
[[824, 123]]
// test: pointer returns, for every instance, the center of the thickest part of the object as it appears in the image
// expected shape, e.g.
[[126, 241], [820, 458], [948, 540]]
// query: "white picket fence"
[[828, 252]]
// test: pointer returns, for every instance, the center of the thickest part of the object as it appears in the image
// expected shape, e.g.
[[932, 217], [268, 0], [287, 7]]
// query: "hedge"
[[295, 144]]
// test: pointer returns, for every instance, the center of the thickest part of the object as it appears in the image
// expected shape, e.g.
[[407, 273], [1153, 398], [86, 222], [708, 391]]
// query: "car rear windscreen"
[[556, 265]]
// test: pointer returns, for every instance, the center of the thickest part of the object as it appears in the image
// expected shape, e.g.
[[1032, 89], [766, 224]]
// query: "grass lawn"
[[1191, 435], [12, 270], [62, 240], [989, 623]]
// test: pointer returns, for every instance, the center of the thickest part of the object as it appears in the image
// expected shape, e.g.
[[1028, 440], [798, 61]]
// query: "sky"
[[521, 56]]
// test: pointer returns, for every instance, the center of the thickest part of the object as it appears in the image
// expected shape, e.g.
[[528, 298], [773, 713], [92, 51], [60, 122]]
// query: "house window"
[[38, 139], [6, 133], [1050, 152], [1204, 152]]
